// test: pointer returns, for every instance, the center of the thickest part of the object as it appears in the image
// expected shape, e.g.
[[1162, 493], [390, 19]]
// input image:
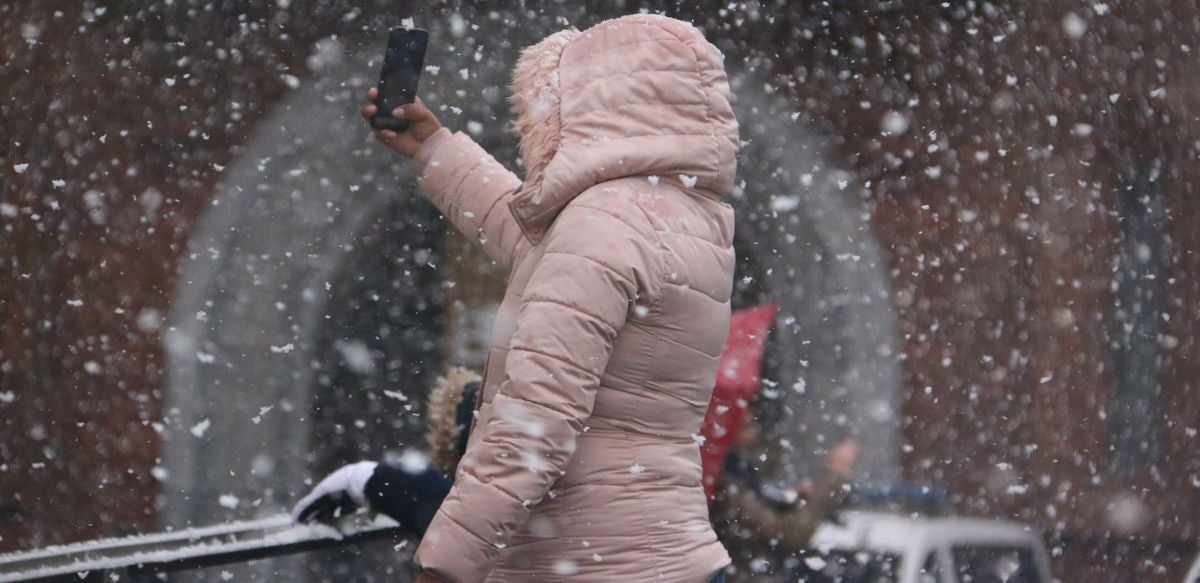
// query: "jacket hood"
[[640, 95]]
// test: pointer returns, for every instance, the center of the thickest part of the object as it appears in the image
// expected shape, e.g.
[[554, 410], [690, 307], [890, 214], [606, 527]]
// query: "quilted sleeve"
[[471, 189], [595, 266]]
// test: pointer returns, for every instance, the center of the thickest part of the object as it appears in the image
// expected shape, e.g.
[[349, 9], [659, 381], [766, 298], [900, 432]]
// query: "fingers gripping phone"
[[398, 80]]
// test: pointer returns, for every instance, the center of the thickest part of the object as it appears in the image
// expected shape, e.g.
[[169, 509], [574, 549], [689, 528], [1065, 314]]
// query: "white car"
[[879, 547], [1193, 575]]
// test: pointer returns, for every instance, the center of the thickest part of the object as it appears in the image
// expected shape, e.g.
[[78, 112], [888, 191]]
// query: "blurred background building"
[[978, 219]]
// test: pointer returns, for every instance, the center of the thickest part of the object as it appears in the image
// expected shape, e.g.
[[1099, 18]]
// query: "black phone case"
[[401, 44], [381, 122]]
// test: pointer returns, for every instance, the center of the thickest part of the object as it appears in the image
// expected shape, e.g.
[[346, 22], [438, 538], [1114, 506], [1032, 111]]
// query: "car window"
[[995, 564], [816, 566], [931, 570]]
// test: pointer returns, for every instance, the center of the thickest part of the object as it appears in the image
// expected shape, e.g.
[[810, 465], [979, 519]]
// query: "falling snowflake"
[[201, 427]]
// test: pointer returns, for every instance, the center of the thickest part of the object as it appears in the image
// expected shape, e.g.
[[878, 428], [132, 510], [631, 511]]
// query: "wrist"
[[425, 150]]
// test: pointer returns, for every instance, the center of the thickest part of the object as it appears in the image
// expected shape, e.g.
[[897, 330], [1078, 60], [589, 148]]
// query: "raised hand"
[[422, 123], [842, 459]]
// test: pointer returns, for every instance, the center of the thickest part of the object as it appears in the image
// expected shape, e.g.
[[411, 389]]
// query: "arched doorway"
[[308, 317], [804, 242]]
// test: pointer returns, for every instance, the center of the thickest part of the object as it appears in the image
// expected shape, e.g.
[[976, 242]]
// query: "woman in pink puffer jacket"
[[584, 460]]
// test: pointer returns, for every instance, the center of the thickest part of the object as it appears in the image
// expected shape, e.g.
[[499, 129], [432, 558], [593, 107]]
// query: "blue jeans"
[[719, 577]]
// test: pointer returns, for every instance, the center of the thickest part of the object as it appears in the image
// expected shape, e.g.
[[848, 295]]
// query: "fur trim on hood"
[[536, 102], [639, 95], [442, 429]]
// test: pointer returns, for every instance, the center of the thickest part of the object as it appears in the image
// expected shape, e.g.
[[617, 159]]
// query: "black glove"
[[409, 496]]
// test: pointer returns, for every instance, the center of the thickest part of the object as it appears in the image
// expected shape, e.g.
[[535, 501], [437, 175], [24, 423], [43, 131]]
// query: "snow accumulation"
[[266, 534]]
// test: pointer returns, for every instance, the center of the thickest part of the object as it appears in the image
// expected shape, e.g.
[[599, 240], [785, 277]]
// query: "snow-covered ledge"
[[142, 556]]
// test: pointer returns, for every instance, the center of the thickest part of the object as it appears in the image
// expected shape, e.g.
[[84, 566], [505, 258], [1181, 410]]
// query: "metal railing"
[[143, 557]]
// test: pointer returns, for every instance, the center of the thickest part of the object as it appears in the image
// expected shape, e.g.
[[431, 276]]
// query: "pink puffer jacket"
[[584, 461]]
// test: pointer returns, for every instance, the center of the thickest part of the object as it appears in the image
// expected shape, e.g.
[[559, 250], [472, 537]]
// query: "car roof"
[[903, 534], [1193, 575]]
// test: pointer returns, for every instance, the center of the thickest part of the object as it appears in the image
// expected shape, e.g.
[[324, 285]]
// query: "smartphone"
[[398, 80]]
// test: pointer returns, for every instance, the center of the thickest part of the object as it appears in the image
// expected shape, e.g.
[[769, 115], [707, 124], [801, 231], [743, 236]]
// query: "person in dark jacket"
[[408, 493], [762, 526]]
